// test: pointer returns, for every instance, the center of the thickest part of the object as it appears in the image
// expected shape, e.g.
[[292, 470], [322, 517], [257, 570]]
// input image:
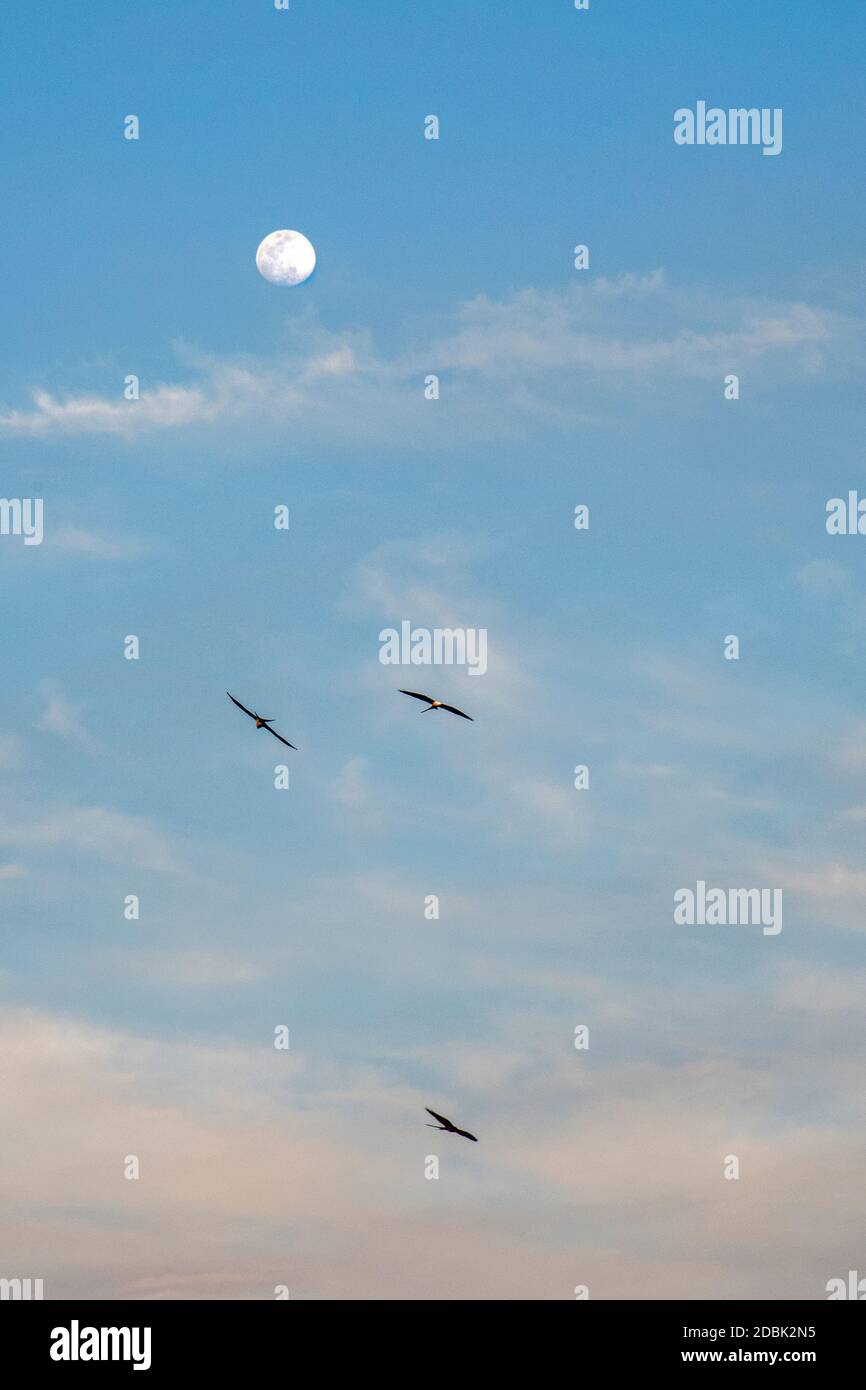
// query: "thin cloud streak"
[[504, 361]]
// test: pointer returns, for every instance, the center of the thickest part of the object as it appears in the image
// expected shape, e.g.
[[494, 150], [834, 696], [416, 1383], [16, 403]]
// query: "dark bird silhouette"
[[261, 723], [436, 704], [447, 1125]]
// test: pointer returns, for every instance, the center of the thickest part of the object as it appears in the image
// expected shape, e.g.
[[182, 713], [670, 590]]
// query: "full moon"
[[286, 258]]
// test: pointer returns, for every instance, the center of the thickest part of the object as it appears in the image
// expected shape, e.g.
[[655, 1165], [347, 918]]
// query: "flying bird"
[[260, 723], [435, 704], [446, 1124]]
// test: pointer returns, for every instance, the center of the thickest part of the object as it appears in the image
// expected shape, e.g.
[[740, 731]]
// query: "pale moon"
[[286, 258]]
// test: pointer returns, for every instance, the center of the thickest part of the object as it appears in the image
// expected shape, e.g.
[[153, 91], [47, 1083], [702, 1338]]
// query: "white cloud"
[[96, 830], [75, 540], [355, 794], [509, 363], [575, 329], [528, 803], [63, 719], [849, 752], [164, 407], [259, 1168], [184, 969], [429, 582], [820, 991], [824, 577], [634, 769], [832, 890]]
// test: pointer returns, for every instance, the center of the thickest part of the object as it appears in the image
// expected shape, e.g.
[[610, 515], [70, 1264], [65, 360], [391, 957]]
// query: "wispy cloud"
[[96, 830], [76, 540], [823, 578], [355, 794], [821, 991], [63, 719], [503, 361], [332, 1158], [163, 407], [593, 328]]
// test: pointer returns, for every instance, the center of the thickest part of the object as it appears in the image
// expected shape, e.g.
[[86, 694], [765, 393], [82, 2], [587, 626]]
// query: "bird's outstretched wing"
[[416, 695], [280, 737], [441, 1118], [466, 1134], [239, 705], [452, 709]]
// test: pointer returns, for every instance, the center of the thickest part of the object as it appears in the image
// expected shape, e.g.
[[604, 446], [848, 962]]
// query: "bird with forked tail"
[[435, 704], [448, 1126], [260, 722]]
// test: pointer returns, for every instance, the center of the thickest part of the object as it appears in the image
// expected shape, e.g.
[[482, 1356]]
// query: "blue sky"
[[305, 907]]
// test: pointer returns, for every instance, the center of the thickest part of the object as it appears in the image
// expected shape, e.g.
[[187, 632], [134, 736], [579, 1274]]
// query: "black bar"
[[221, 1338]]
